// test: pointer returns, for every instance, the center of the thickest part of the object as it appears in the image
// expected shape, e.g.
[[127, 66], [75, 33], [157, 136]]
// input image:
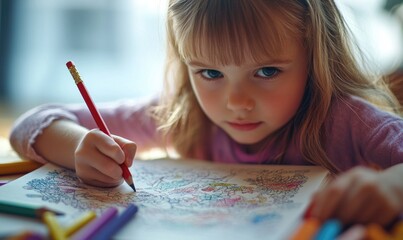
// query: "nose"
[[240, 100]]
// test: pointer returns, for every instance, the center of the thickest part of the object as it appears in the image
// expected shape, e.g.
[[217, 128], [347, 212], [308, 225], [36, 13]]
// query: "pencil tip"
[[59, 213], [132, 186], [42, 210], [129, 181]]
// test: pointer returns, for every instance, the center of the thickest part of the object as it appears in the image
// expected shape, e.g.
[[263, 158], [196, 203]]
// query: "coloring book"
[[179, 199]]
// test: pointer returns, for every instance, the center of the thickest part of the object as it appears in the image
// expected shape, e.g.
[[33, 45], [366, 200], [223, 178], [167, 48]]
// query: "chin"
[[247, 141], [246, 138]]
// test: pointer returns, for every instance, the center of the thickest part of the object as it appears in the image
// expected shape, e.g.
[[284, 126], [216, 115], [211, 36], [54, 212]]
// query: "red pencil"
[[97, 116]]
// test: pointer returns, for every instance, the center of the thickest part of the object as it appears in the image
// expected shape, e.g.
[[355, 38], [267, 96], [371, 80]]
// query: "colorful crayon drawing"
[[182, 199], [182, 194]]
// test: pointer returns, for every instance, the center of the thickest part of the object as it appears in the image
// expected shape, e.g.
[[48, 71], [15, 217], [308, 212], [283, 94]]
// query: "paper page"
[[182, 199]]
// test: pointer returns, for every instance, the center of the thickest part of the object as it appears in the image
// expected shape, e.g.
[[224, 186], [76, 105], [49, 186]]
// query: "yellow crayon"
[[86, 218], [56, 232], [306, 230], [376, 232]]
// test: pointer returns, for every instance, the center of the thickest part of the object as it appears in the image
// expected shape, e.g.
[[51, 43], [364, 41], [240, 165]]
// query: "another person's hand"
[[98, 158], [361, 195]]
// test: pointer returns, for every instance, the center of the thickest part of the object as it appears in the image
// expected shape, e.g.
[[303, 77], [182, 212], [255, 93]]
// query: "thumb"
[[128, 147]]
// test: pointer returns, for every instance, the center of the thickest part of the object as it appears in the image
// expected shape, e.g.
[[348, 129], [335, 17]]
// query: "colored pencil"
[[56, 232], [97, 116], [25, 210], [116, 224], [81, 222], [329, 230], [94, 226]]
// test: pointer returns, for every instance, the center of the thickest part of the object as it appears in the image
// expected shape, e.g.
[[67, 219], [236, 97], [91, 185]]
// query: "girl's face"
[[251, 100]]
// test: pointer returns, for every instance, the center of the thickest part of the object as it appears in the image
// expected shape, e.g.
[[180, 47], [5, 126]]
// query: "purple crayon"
[[89, 231]]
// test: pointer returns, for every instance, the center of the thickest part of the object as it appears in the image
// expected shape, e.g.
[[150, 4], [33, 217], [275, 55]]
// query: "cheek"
[[284, 103], [208, 100]]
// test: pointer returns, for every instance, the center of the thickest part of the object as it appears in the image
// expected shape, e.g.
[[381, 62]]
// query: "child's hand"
[[97, 158], [361, 195]]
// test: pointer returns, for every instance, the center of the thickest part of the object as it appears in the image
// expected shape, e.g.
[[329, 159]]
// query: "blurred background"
[[118, 47]]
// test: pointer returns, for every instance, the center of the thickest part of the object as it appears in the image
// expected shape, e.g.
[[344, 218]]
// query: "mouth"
[[244, 126]]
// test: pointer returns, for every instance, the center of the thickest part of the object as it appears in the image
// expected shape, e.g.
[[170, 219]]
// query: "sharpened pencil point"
[[128, 178], [132, 186]]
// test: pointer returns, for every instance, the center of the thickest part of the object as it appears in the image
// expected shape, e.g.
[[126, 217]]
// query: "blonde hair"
[[227, 31]]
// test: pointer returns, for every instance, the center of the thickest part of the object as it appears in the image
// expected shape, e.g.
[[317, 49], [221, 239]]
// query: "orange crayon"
[[376, 232], [397, 231], [307, 230]]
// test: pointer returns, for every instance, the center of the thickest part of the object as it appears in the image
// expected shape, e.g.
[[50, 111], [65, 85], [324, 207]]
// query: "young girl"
[[247, 81]]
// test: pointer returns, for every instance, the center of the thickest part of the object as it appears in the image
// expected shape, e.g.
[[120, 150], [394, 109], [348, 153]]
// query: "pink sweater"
[[356, 133]]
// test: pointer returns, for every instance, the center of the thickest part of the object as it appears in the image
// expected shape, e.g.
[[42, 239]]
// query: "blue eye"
[[211, 74], [267, 72]]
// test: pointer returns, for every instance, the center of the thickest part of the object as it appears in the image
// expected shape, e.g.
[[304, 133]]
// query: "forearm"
[[59, 141]]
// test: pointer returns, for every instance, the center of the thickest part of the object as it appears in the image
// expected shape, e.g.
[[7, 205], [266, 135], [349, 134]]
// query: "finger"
[[374, 214], [130, 153], [88, 155], [108, 167], [365, 214], [357, 200], [100, 163], [328, 200], [98, 183], [350, 210], [386, 213], [108, 147], [94, 177], [129, 148]]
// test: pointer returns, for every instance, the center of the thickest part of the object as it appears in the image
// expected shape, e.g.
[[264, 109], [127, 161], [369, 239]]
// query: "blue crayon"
[[329, 230], [116, 224]]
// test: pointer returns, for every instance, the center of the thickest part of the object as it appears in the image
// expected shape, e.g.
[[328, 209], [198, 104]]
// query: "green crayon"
[[25, 210]]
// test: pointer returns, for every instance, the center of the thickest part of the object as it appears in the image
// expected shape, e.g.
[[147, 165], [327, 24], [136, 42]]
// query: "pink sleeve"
[[128, 119]]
